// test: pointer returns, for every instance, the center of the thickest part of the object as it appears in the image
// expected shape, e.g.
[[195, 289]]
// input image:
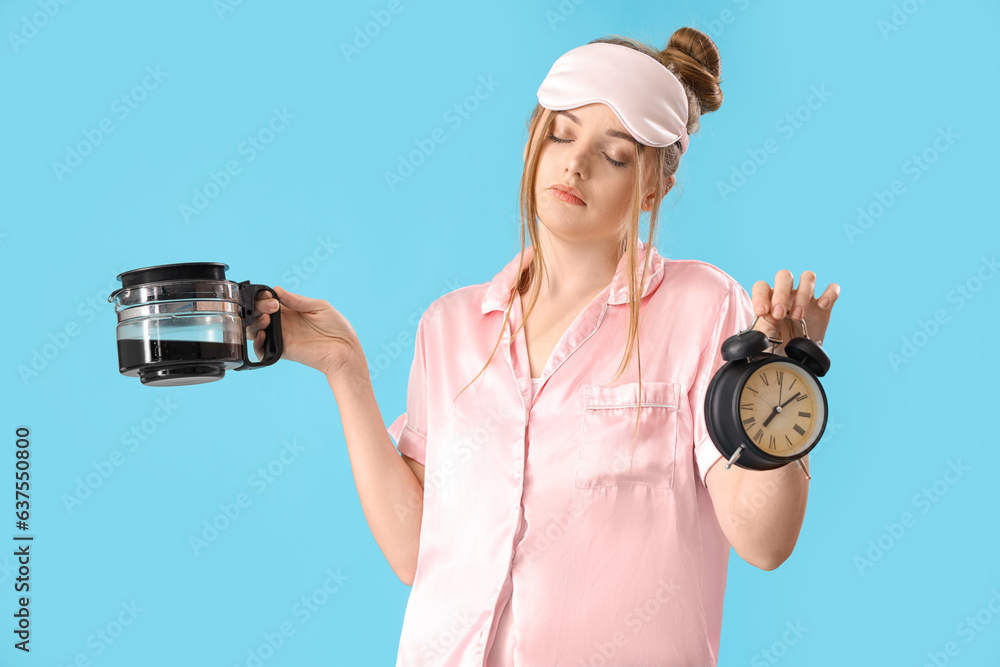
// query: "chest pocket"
[[606, 456]]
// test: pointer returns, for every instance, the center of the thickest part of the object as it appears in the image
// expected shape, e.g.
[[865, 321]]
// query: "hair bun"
[[695, 59]]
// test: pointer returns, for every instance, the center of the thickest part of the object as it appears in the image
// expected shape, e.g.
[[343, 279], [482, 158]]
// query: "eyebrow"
[[611, 133]]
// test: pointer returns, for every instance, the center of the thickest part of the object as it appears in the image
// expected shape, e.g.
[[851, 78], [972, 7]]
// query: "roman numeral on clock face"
[[746, 406], [798, 429], [763, 376]]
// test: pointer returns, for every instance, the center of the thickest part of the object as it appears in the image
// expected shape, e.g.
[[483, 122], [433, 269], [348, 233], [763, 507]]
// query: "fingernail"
[[779, 310], [760, 309], [797, 312]]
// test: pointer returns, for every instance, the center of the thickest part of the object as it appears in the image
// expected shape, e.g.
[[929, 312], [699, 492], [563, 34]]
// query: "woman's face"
[[587, 149]]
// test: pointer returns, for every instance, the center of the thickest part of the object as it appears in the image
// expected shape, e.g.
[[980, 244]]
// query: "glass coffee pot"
[[181, 324]]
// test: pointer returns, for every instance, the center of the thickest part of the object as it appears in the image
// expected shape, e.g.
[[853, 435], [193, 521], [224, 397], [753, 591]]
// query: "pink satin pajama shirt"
[[545, 540]]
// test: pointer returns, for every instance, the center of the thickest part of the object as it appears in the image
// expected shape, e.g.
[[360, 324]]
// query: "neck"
[[576, 270]]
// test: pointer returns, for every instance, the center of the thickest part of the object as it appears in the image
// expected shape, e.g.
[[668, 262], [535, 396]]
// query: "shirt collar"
[[499, 288]]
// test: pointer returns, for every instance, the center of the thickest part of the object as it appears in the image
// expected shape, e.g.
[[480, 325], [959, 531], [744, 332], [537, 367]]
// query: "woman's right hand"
[[313, 332]]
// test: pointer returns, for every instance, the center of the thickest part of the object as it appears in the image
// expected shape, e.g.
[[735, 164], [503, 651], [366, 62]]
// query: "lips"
[[575, 196]]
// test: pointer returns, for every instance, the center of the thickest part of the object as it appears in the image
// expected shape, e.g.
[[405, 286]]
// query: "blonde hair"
[[693, 57]]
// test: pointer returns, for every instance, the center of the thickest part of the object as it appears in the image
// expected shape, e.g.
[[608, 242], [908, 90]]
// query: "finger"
[[761, 295], [782, 296], [804, 293], [829, 296], [262, 321], [298, 302], [265, 302]]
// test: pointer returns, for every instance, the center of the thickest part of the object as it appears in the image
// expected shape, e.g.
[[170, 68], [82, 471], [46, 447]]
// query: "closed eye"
[[617, 163]]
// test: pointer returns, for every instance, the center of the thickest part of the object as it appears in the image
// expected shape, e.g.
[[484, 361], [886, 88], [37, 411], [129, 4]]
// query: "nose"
[[579, 161]]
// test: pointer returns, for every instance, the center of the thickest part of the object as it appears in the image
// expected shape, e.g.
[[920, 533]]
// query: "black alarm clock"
[[764, 410]]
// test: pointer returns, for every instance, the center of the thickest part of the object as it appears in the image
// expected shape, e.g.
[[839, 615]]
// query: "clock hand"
[[765, 400], [777, 409], [790, 399]]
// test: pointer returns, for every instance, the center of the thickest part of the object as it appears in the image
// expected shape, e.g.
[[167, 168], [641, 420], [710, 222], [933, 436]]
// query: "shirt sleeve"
[[410, 428], [735, 314]]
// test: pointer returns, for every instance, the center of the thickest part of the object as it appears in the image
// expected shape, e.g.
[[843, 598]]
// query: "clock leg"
[[732, 459], [804, 469]]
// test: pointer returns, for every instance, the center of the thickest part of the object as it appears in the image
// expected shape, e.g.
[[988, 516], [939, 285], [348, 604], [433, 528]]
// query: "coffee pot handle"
[[272, 334]]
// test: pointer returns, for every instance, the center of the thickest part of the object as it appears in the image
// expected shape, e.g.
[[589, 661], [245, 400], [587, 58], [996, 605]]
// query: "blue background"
[[896, 74]]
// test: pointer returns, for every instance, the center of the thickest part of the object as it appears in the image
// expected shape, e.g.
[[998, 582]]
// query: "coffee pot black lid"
[[183, 271]]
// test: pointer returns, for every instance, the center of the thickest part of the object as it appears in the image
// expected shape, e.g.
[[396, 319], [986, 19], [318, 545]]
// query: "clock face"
[[781, 408]]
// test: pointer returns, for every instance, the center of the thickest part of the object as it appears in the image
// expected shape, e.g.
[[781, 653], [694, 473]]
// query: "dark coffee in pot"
[[176, 362], [135, 353]]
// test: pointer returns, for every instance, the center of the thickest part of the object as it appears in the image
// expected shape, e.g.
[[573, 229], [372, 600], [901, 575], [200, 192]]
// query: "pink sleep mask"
[[645, 96]]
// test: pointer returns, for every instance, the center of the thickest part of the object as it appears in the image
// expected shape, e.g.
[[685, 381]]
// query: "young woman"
[[559, 503]]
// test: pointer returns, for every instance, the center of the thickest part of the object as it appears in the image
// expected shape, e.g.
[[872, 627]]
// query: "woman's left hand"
[[780, 309]]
